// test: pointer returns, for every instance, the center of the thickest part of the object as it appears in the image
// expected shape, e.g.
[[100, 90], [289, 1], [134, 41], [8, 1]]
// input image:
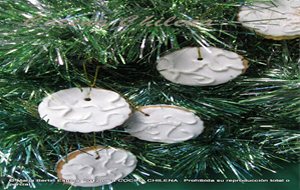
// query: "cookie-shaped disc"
[[95, 166], [84, 110], [276, 19], [163, 123], [194, 66]]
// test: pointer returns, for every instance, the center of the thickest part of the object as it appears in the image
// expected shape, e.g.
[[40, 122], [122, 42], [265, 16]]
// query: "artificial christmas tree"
[[251, 121]]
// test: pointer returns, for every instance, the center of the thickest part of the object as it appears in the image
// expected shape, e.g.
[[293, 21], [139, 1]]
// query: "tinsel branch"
[[46, 46]]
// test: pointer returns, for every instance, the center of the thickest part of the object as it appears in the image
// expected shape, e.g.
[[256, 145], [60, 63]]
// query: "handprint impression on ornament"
[[215, 66], [163, 123], [84, 110], [96, 166], [277, 19]]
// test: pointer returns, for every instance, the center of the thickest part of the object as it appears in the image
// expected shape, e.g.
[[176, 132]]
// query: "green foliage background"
[[251, 122]]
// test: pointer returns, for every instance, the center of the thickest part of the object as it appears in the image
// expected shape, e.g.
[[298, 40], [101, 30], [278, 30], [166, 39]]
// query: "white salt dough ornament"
[[164, 123], [84, 110], [95, 166], [276, 19], [195, 66]]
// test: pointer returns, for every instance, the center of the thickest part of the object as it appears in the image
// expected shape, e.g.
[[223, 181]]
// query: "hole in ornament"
[[145, 114], [98, 157], [199, 55], [87, 99]]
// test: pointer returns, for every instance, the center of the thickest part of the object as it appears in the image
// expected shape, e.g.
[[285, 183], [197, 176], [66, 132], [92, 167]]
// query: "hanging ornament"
[[277, 19], [201, 66], [84, 110], [164, 123], [95, 166]]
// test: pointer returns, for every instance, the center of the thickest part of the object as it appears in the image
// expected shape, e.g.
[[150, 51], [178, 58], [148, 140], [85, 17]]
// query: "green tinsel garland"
[[250, 122]]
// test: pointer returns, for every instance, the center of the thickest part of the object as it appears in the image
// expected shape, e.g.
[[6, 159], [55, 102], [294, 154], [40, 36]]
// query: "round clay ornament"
[[95, 166], [164, 123], [199, 66], [276, 19], [84, 110]]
